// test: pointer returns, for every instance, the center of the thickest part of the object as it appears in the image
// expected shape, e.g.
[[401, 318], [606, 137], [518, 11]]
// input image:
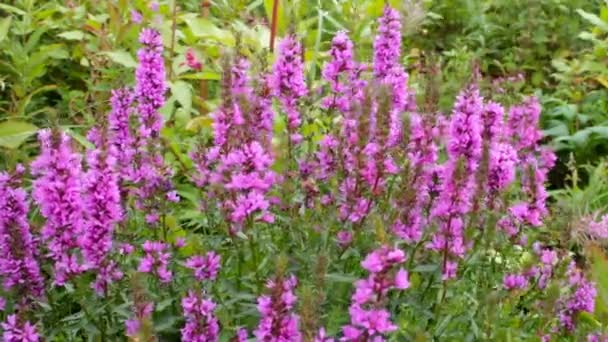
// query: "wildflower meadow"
[[337, 201]]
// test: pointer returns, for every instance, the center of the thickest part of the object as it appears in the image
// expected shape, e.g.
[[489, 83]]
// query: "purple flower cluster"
[[156, 260], [369, 320], [150, 86], [522, 127], [237, 170], [120, 134], [19, 266], [278, 323], [599, 229], [142, 313], [201, 324], [152, 175], [58, 193], [342, 73], [288, 85], [387, 45], [204, 267], [102, 205], [458, 184], [422, 154], [17, 331], [515, 281], [582, 299]]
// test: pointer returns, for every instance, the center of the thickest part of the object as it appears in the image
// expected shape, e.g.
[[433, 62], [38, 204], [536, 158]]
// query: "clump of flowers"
[[156, 260], [201, 324], [278, 322], [288, 85], [369, 320], [58, 193], [102, 205], [151, 175], [19, 267], [16, 330], [204, 267]]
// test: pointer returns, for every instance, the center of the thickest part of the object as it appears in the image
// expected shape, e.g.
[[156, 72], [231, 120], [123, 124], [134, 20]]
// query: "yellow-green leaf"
[[5, 24], [72, 35], [121, 57], [14, 133], [183, 94]]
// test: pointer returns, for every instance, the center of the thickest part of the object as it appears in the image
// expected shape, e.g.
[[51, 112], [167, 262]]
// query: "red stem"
[[273, 24]]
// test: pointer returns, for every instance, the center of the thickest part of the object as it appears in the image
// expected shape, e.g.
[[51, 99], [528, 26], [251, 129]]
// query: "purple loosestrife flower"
[[387, 45], [326, 157], [369, 321], [458, 180], [150, 88], [522, 127], [514, 281], [120, 134], [103, 211], [422, 154], [503, 161], [142, 313], [287, 83], [278, 323], [19, 268], [599, 230], [204, 267], [57, 191], [389, 72], [241, 335], [136, 17], [321, 336], [237, 169], [248, 177], [156, 260], [201, 324], [16, 330], [342, 73], [582, 299], [492, 117]]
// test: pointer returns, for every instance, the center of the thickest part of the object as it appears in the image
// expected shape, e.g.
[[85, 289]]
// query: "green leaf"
[[72, 35], [204, 28], [78, 137], [12, 9], [5, 24], [183, 93], [593, 19], [205, 75], [121, 57], [14, 133], [340, 278]]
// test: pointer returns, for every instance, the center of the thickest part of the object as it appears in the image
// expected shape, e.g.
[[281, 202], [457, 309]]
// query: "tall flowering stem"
[[120, 133], [342, 73], [19, 266], [102, 204], [288, 85], [17, 330], [422, 152], [278, 322], [152, 175], [464, 148], [201, 324], [57, 191], [236, 170], [369, 319]]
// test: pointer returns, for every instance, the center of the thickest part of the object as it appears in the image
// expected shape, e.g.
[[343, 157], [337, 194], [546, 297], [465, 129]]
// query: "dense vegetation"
[[356, 170]]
